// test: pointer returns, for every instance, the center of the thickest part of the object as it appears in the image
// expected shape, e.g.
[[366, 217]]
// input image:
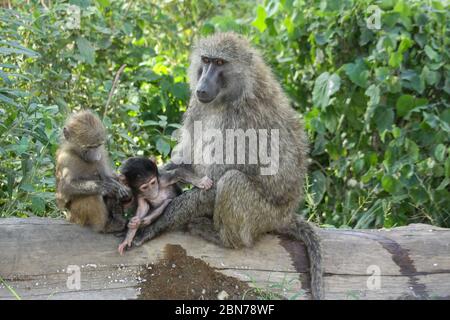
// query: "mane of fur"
[[263, 100]]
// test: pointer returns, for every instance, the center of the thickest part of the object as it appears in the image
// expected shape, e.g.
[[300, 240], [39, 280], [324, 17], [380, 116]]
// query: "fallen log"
[[52, 259]]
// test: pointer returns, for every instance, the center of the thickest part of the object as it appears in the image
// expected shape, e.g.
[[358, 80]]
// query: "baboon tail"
[[304, 231]]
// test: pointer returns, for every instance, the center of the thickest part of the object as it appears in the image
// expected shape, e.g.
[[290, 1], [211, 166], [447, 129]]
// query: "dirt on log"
[[44, 259]]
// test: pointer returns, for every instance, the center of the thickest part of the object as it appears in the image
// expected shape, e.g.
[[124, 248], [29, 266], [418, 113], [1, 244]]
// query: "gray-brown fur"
[[243, 205], [88, 191]]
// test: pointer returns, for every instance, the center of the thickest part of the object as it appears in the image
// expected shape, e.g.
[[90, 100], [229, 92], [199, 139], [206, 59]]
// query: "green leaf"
[[17, 49], [324, 87], [318, 187], [163, 146], [104, 3], [389, 183], [289, 25], [405, 44], [395, 59], [27, 187], [439, 152], [260, 21], [5, 77], [373, 92], [416, 82], [86, 49], [403, 8], [412, 149], [8, 100], [37, 204], [433, 55], [150, 123], [374, 98], [207, 29], [421, 19], [447, 167], [384, 118], [357, 72], [404, 104], [431, 77], [180, 90]]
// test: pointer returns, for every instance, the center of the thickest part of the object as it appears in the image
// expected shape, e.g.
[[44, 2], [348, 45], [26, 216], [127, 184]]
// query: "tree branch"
[[113, 87]]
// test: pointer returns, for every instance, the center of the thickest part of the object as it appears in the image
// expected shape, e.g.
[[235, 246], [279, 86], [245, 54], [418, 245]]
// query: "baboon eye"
[[220, 62], [205, 60]]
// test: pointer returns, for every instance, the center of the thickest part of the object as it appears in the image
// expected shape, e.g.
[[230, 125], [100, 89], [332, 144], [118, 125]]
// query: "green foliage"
[[53, 61], [376, 105], [374, 96]]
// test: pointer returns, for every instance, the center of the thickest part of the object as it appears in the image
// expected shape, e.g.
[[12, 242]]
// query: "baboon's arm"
[[86, 187], [180, 174], [82, 187], [152, 215]]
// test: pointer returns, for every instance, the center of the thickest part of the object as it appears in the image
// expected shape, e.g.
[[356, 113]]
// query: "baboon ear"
[[123, 180], [66, 133]]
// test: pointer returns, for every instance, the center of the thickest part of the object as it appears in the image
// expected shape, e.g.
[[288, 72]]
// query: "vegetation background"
[[370, 78]]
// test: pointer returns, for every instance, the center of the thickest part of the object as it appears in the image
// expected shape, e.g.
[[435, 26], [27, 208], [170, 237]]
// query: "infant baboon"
[[233, 89], [86, 186], [152, 191]]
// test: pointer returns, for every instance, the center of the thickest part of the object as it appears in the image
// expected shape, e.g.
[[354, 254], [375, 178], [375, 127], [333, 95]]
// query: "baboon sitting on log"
[[233, 89], [86, 185]]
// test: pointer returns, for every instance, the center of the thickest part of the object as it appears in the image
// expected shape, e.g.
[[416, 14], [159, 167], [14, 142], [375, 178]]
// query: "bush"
[[374, 96], [375, 101]]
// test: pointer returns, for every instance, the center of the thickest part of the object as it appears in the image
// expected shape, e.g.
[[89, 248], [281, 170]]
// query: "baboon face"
[[211, 78], [141, 175], [221, 69], [149, 189], [89, 151]]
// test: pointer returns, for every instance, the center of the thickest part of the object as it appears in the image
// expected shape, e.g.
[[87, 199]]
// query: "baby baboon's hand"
[[134, 223], [126, 243], [204, 183]]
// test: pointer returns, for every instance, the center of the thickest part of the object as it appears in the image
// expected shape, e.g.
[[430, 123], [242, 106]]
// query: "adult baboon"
[[86, 186], [232, 88]]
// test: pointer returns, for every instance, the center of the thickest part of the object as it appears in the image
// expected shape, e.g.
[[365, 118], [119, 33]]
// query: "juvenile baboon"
[[152, 191], [232, 88], [86, 186]]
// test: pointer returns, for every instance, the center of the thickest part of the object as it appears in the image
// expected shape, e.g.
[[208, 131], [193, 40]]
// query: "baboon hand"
[[109, 187], [126, 243], [112, 186], [134, 223], [124, 192], [204, 183]]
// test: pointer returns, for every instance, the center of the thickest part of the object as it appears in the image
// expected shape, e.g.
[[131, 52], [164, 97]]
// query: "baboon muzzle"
[[208, 85]]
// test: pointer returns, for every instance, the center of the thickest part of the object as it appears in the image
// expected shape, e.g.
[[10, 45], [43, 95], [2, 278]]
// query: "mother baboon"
[[232, 89]]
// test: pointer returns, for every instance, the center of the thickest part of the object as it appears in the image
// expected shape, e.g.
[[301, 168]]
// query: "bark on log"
[[411, 262]]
